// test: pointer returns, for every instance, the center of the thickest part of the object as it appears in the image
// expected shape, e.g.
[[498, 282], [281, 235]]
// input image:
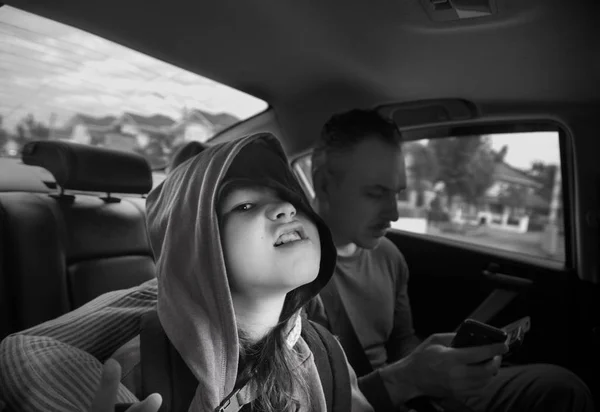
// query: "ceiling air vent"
[[450, 10]]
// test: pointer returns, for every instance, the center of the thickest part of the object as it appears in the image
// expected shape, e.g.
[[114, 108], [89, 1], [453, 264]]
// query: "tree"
[[466, 165], [3, 135], [37, 130], [421, 168], [545, 174], [30, 129]]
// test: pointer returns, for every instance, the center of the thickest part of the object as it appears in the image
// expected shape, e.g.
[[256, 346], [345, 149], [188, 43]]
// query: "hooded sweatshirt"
[[194, 301]]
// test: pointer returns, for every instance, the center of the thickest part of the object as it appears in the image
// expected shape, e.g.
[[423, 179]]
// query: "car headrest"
[[88, 168]]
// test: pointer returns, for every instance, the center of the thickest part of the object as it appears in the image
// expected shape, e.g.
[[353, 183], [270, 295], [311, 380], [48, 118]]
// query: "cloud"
[[54, 68]]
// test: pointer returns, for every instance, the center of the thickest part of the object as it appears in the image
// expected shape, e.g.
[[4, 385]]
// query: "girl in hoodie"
[[239, 251]]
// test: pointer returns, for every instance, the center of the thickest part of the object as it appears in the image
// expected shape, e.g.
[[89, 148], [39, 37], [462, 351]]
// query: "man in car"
[[358, 171]]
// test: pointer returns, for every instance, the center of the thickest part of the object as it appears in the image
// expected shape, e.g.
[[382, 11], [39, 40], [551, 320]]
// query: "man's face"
[[362, 201]]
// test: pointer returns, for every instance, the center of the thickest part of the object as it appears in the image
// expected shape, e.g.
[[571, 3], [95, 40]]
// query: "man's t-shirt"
[[373, 287]]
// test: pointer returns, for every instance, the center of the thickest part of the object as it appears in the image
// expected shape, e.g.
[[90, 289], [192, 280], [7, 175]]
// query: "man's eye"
[[375, 195], [244, 207]]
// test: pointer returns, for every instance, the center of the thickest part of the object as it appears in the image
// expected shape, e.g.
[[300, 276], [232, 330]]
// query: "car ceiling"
[[311, 58]]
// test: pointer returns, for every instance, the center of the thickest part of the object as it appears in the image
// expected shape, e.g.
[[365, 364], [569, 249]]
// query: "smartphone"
[[473, 333], [516, 333]]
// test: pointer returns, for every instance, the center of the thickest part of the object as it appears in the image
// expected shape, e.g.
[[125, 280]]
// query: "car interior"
[[72, 219]]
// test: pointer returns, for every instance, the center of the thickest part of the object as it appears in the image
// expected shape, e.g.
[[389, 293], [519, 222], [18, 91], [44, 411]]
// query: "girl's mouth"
[[289, 237]]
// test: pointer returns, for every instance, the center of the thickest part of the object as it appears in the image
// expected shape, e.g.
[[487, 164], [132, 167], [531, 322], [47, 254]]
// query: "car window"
[[502, 191], [58, 82]]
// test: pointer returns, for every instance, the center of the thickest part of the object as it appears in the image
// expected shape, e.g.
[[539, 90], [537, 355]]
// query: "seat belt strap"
[[493, 304], [341, 326]]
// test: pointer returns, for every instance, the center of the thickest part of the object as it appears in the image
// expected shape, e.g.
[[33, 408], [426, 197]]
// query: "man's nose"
[[281, 210], [391, 209]]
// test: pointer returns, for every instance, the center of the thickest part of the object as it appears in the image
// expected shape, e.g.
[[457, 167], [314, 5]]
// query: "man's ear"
[[321, 184]]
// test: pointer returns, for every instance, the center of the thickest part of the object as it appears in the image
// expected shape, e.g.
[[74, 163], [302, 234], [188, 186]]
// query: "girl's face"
[[269, 245]]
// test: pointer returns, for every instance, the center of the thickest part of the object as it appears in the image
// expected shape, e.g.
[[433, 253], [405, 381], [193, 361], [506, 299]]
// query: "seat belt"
[[508, 288], [341, 326], [493, 304], [162, 366]]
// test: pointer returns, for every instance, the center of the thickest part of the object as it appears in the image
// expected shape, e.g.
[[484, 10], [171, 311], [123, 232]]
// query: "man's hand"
[[106, 396], [440, 371]]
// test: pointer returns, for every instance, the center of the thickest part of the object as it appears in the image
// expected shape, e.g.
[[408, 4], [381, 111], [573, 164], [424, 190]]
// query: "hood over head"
[[194, 300]]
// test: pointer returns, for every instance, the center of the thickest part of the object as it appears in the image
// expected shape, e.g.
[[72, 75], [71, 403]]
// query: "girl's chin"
[[301, 280]]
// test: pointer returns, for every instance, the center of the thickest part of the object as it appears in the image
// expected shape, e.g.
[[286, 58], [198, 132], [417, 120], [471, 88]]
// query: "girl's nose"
[[281, 210]]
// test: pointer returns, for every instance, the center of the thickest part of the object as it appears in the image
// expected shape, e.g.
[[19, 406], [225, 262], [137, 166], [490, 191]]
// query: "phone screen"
[[473, 333]]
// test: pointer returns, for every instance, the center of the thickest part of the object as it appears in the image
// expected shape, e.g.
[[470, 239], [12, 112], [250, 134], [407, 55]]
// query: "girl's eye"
[[244, 207]]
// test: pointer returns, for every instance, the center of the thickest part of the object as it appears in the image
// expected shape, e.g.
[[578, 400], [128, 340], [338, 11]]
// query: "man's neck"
[[344, 249], [256, 316]]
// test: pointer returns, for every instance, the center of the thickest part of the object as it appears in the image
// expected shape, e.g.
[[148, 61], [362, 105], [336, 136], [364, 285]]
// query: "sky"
[[55, 71], [525, 148]]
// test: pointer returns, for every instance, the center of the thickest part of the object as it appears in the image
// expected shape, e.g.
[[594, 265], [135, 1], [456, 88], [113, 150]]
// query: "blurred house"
[[147, 135], [145, 130], [86, 129], [512, 200], [193, 125], [155, 137], [510, 203]]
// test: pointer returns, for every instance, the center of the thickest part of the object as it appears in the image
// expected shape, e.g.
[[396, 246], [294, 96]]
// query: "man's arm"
[[402, 340]]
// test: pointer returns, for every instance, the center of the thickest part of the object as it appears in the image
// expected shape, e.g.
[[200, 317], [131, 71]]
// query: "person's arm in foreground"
[[55, 365], [104, 324], [39, 373]]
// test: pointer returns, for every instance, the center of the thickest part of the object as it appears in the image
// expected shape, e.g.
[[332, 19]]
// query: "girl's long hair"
[[274, 367]]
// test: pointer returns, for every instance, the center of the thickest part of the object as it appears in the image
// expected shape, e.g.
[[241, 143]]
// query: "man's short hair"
[[344, 131]]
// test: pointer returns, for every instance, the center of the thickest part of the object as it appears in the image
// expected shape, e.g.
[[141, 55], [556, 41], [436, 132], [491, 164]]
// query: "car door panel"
[[447, 283]]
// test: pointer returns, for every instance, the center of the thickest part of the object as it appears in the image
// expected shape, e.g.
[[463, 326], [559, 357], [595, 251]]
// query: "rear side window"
[[61, 83], [502, 191]]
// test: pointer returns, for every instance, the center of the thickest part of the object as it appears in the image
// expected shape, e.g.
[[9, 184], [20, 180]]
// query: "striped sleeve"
[[43, 374], [57, 365], [104, 324]]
